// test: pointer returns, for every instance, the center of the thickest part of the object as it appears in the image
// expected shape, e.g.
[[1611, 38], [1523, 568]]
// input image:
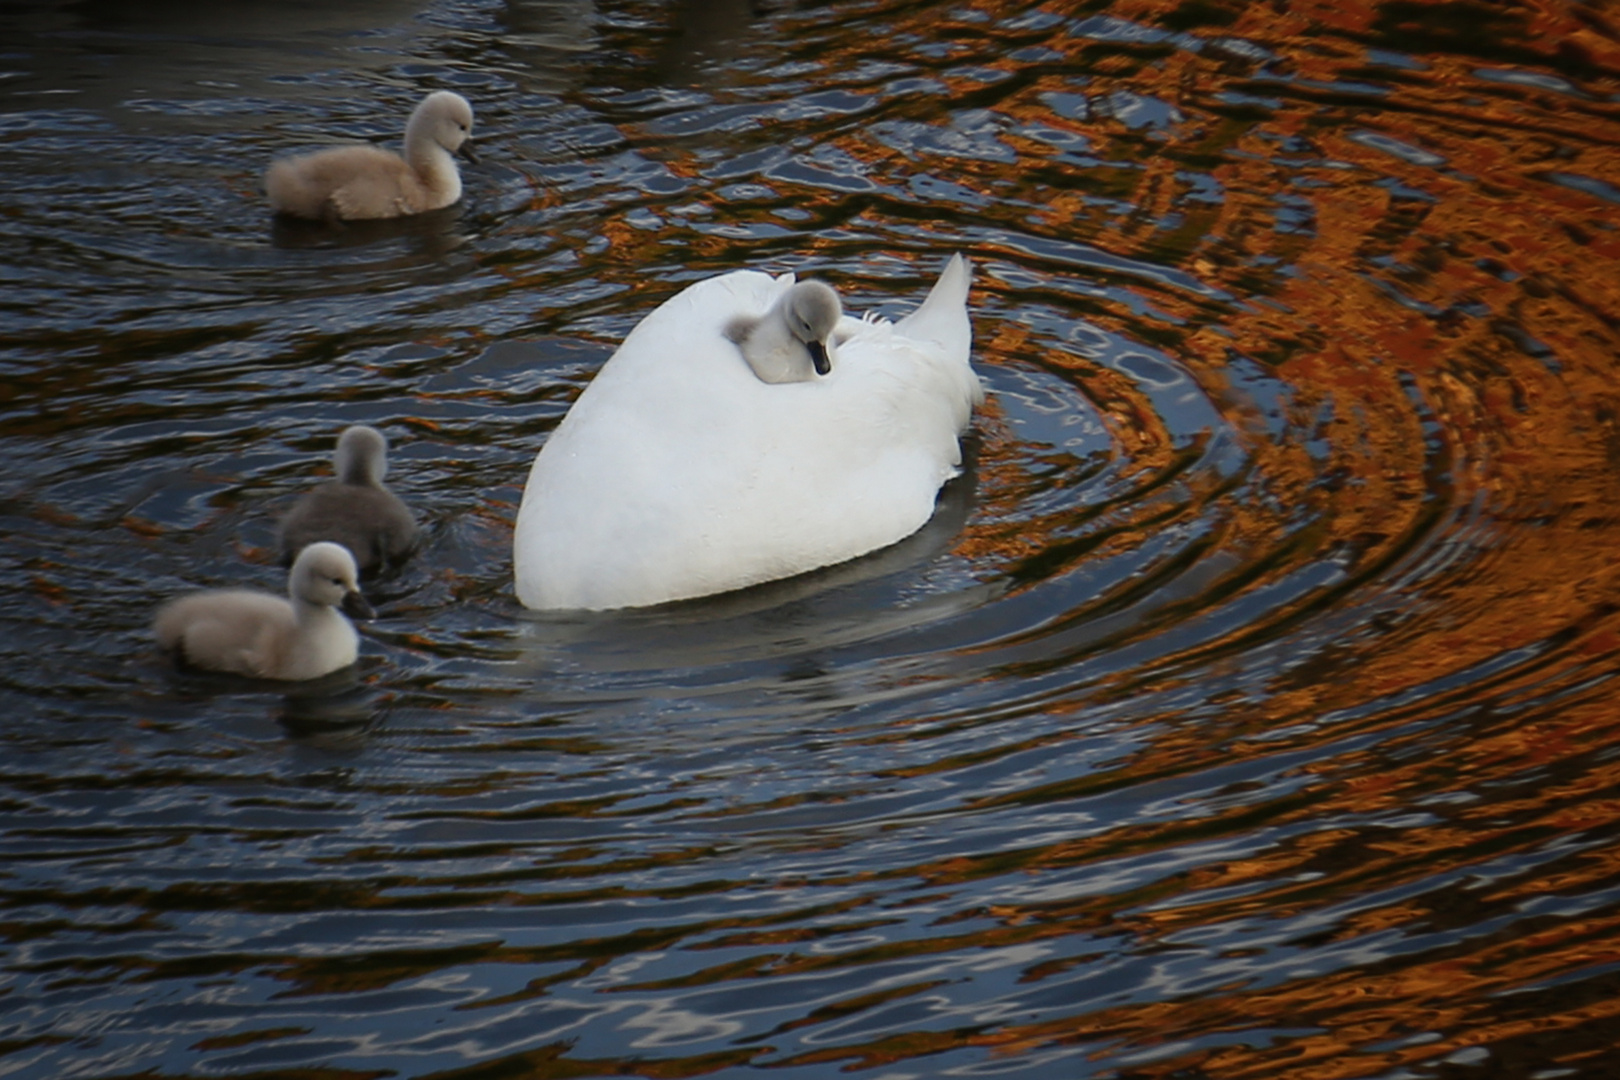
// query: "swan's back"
[[678, 473]]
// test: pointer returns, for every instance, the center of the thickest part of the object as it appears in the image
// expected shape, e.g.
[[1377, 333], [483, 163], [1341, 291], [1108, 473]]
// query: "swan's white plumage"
[[679, 473]]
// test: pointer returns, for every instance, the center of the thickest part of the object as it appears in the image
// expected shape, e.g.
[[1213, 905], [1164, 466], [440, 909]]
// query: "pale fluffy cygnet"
[[355, 509], [789, 342], [247, 632], [362, 182]]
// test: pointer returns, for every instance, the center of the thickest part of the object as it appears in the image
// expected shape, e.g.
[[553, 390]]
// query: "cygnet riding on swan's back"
[[247, 632], [355, 509], [353, 183], [746, 431]]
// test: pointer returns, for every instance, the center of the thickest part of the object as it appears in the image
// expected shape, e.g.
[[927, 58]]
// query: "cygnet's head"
[[325, 575], [362, 455], [811, 309], [443, 117], [789, 342]]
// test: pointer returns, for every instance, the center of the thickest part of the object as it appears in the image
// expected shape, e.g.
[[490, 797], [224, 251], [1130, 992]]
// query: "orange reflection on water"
[[1402, 254]]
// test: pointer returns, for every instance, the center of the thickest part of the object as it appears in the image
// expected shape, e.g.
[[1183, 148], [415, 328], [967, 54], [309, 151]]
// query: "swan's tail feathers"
[[942, 320], [943, 317]]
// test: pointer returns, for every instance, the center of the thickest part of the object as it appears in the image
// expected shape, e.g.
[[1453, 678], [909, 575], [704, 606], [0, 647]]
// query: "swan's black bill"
[[465, 150], [818, 356]]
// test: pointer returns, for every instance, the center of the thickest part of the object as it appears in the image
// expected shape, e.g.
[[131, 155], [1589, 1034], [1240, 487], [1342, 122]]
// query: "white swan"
[[355, 509], [248, 632], [361, 182], [746, 431]]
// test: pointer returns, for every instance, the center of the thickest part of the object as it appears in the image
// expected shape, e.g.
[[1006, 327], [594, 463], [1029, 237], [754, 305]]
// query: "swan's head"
[[325, 575], [812, 310], [362, 455], [445, 118]]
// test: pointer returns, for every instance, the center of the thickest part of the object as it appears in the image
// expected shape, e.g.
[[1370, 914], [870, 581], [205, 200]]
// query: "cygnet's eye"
[[337, 581]]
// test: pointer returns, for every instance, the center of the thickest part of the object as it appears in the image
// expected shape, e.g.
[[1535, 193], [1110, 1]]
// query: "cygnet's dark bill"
[[356, 606]]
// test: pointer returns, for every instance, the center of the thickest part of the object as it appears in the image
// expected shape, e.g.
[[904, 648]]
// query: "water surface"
[[1247, 710]]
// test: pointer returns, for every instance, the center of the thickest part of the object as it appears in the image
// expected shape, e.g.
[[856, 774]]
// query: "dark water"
[[1249, 709]]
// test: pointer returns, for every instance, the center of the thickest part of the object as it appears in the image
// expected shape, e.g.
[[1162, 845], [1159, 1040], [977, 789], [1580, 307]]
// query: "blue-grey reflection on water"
[[1245, 710]]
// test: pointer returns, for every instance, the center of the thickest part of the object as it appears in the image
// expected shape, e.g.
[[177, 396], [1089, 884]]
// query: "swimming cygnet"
[[247, 632], [363, 182], [354, 510]]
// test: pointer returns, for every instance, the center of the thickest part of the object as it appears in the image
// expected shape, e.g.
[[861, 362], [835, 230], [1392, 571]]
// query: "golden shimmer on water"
[[1265, 724], [1438, 316]]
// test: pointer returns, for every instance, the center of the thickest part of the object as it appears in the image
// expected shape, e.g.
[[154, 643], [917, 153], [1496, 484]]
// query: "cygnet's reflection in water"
[[873, 596], [430, 234], [336, 708], [335, 711]]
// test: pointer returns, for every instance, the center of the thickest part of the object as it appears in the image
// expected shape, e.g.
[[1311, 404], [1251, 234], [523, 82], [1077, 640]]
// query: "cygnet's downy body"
[[355, 509], [746, 431], [247, 632], [362, 182], [789, 342]]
